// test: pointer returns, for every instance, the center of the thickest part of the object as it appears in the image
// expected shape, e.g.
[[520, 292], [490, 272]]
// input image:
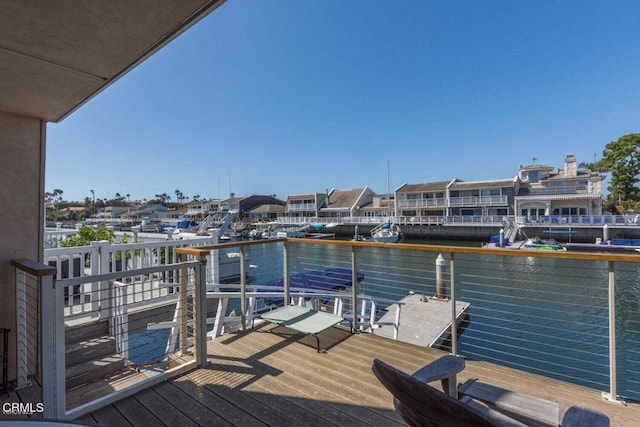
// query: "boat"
[[537, 243], [387, 232]]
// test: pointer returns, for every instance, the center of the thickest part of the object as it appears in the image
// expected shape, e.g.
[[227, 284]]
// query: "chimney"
[[570, 166]]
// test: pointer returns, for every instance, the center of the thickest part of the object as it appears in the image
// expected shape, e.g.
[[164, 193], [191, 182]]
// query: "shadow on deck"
[[272, 377]]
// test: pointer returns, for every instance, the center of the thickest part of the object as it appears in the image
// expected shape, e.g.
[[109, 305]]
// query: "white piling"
[[440, 289], [502, 237]]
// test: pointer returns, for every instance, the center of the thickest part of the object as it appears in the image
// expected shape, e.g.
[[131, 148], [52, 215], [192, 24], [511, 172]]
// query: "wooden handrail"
[[605, 257], [33, 267]]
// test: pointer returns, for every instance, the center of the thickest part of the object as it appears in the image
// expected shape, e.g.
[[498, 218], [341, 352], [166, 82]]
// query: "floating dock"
[[424, 321]]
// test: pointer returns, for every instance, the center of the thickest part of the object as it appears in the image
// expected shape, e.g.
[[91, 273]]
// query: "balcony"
[[474, 201], [545, 315], [576, 189], [301, 207], [422, 203]]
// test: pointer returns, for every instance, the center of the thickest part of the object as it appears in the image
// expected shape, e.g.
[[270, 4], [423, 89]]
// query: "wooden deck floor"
[[273, 378]]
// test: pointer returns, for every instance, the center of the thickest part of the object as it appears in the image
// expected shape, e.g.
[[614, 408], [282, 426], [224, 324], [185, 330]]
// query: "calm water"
[[545, 316]]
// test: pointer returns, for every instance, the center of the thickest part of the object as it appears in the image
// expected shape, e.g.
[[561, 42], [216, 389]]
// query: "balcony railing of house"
[[568, 316], [473, 201], [422, 203], [421, 220], [301, 207], [576, 189], [582, 220], [491, 220]]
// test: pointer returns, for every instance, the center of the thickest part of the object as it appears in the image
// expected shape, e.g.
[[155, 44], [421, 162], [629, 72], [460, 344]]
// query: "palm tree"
[[56, 198]]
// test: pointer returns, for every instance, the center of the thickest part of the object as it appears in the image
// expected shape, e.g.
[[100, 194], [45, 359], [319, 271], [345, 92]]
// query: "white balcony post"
[[354, 289], [612, 395], [454, 326], [53, 347], [201, 311], [285, 273], [104, 252], [95, 270], [243, 292]]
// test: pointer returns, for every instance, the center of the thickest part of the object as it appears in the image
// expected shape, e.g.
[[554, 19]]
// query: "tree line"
[[55, 203]]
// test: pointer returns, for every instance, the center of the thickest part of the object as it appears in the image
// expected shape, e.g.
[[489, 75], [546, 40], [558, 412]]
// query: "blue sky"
[[289, 97]]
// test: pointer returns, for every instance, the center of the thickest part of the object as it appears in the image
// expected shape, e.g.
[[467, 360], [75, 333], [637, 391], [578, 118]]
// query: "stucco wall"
[[21, 208]]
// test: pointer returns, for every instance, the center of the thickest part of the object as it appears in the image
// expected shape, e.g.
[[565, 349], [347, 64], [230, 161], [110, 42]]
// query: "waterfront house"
[[347, 203], [200, 209], [153, 211], [422, 200], [481, 198], [381, 206], [111, 212], [270, 211], [244, 205], [305, 205], [557, 196]]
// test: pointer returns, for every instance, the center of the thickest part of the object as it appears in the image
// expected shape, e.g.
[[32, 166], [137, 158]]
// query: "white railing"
[[631, 220], [105, 257], [302, 207], [422, 203], [472, 201], [52, 237], [568, 189], [475, 220]]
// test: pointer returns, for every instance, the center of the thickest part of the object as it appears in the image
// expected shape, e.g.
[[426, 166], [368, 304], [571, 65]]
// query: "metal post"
[[243, 292], [183, 312], [502, 237], [454, 326], [201, 311], [53, 345], [285, 273], [612, 395], [354, 289]]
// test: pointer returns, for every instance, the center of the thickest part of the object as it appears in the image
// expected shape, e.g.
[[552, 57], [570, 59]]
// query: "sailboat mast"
[[388, 190]]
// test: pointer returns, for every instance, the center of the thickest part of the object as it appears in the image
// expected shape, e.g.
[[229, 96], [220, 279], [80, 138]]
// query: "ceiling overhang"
[[56, 55]]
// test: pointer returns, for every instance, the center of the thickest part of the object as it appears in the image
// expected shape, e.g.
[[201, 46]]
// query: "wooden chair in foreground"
[[420, 404]]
